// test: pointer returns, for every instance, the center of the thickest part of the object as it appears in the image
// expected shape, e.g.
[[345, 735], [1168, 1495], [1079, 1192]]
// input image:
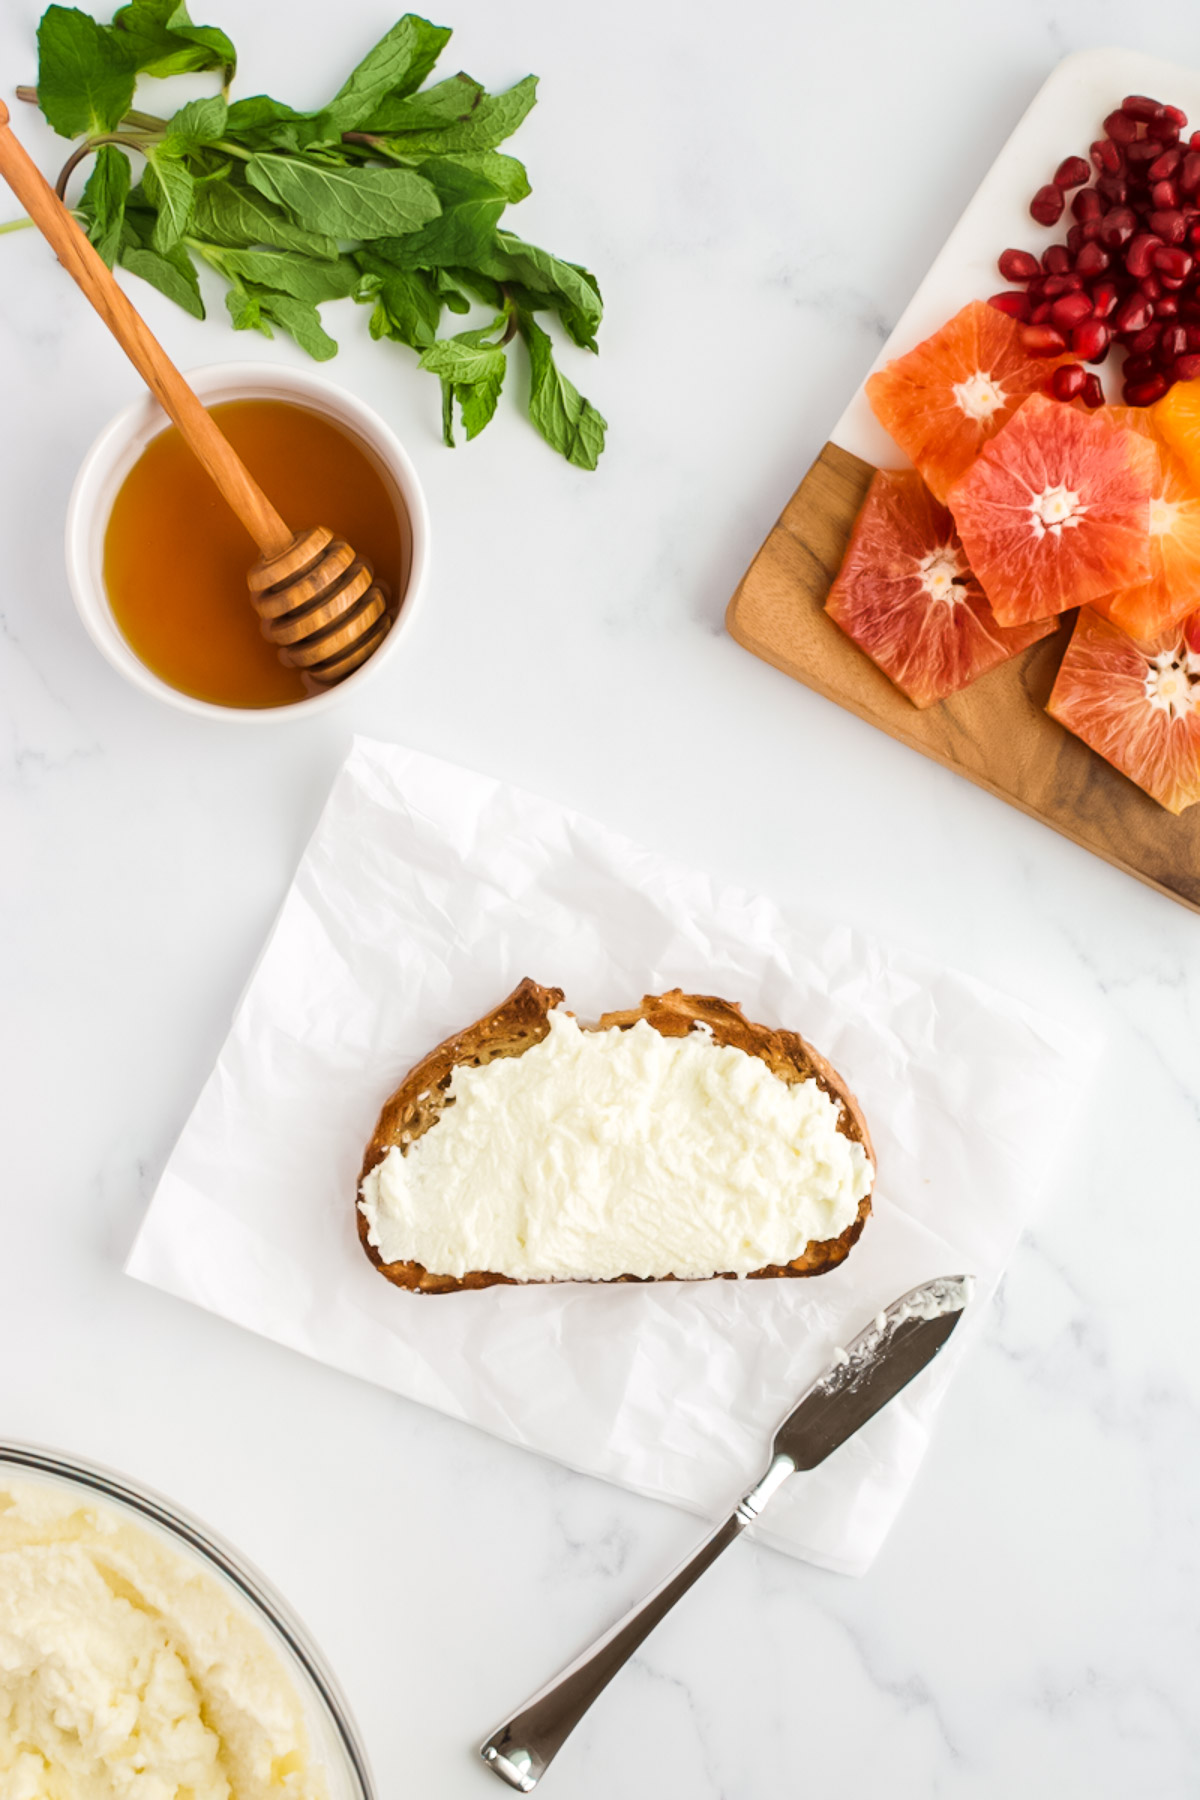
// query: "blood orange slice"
[[906, 596], [945, 399], [1177, 416], [1055, 511], [1139, 707], [1173, 590]]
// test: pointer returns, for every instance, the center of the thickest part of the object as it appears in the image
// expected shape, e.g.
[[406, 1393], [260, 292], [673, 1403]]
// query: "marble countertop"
[[759, 204]]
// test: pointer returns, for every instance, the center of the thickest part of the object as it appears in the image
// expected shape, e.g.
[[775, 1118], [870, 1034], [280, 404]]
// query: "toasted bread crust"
[[520, 1022]]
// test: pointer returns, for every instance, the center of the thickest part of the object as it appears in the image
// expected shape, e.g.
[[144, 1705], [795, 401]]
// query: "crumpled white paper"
[[425, 894]]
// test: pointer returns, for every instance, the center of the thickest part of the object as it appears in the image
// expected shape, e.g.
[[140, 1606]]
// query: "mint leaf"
[[398, 64], [245, 310], [198, 123], [569, 288], [173, 275], [407, 308], [464, 231], [226, 214], [361, 203], [568, 422], [170, 189], [504, 172], [302, 278], [161, 40], [471, 370], [260, 122], [447, 103], [102, 202], [85, 78], [301, 321], [494, 118]]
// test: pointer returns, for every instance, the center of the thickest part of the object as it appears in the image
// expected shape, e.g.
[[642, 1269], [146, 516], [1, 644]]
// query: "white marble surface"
[[760, 194]]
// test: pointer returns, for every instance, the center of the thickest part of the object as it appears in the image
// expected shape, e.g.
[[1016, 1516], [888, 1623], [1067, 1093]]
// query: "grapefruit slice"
[[906, 596], [945, 399], [1138, 706], [1173, 590], [1055, 511]]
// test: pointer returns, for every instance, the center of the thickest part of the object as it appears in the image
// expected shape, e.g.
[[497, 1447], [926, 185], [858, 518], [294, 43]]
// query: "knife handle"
[[521, 1750]]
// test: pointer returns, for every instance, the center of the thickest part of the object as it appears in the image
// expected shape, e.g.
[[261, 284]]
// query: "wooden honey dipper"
[[318, 602]]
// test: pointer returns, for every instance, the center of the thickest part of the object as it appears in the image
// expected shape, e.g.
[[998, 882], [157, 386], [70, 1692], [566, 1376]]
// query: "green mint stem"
[[15, 225]]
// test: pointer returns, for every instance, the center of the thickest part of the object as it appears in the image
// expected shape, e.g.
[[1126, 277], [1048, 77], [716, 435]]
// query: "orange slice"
[[1055, 511], [1138, 706], [945, 399], [906, 596], [1177, 416], [1173, 590]]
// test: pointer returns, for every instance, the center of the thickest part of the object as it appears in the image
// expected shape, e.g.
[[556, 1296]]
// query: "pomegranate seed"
[[1092, 260], [1140, 106], [1150, 286], [1040, 313], [1018, 265], [1162, 131], [1172, 343], [1070, 311], [1164, 166], [1090, 341], [1174, 262], [1138, 368], [1043, 340], [1145, 393], [1120, 127], [1139, 258], [1165, 196], [1047, 204], [1166, 308], [1139, 156], [1092, 394], [1091, 231], [1193, 337], [1075, 239], [1176, 116], [1056, 260], [1107, 158], [1133, 314], [1113, 188], [1088, 204], [1189, 172], [1072, 172], [1054, 286], [1068, 382], [1170, 225], [1194, 235], [1015, 305], [1105, 295], [1117, 227], [1187, 368], [1142, 344]]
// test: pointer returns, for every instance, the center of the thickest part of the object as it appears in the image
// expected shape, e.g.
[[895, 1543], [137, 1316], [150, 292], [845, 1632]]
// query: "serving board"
[[996, 732]]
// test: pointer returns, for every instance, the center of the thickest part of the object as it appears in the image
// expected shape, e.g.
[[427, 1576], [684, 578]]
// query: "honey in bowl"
[[176, 556]]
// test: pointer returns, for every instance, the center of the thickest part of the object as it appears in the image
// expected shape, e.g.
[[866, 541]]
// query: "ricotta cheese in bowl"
[[138, 1657], [595, 1154]]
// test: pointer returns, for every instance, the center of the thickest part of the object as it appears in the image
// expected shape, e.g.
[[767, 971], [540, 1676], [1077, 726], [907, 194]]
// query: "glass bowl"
[[335, 1745]]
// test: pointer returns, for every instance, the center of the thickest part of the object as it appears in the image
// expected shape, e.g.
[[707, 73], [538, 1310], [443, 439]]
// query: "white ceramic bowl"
[[120, 445], [334, 1740]]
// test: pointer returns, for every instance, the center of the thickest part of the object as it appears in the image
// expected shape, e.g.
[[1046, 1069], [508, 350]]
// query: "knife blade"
[[899, 1342]]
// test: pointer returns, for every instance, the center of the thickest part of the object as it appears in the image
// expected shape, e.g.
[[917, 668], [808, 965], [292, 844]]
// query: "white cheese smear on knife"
[[621, 1152]]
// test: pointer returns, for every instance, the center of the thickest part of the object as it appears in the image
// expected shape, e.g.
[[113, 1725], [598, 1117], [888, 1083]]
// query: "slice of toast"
[[520, 1022]]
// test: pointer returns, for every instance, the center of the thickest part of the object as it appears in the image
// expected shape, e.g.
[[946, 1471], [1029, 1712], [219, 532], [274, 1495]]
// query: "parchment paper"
[[426, 893]]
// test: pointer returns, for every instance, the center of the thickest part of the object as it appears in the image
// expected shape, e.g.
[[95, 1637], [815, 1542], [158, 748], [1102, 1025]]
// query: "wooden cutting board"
[[996, 732]]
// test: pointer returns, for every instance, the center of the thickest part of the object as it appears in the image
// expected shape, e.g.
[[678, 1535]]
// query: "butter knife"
[[862, 1378]]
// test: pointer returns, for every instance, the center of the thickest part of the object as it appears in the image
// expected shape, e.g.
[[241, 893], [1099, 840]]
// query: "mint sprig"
[[391, 194]]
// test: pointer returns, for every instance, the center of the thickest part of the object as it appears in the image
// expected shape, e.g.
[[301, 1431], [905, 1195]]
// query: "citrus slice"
[[1055, 511], [945, 399], [906, 596], [1177, 416], [1138, 706], [1173, 590]]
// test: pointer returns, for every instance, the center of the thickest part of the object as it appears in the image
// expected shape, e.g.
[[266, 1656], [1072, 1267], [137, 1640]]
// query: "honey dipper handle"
[[143, 349]]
